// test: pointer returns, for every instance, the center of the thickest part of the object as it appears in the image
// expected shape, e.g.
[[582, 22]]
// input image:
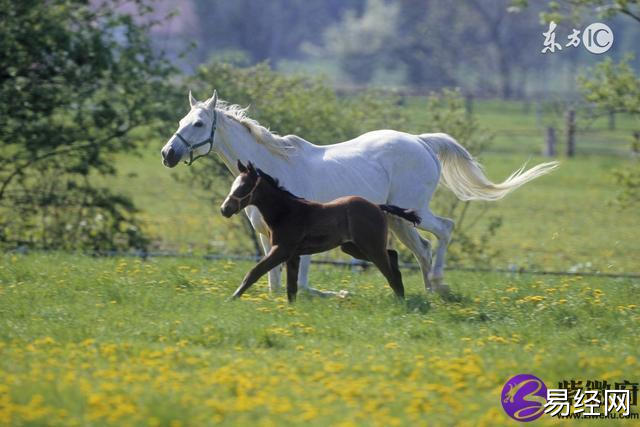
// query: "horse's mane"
[[281, 145], [276, 184]]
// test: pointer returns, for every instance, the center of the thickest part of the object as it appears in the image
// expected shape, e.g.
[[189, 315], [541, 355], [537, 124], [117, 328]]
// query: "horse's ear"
[[252, 169], [211, 102], [241, 167], [192, 100]]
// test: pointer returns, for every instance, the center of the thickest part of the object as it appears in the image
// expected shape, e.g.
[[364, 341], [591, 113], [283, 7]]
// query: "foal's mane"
[[276, 184], [284, 146]]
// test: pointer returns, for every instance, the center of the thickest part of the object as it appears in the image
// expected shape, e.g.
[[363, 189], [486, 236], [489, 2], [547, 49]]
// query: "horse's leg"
[[442, 228], [292, 277], [420, 247], [276, 256]]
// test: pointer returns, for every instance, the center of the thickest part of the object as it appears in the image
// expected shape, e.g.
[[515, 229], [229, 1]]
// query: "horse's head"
[[195, 135], [242, 190]]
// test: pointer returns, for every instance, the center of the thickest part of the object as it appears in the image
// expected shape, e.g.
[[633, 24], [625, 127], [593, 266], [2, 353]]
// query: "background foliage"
[[75, 84]]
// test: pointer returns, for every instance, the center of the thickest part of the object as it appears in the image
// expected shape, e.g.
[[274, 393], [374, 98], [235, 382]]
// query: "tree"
[[612, 87], [362, 43], [76, 81], [267, 30], [507, 34], [436, 43], [558, 10]]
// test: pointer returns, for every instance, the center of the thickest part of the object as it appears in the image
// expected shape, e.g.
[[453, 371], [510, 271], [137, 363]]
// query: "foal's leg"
[[292, 277], [382, 261], [276, 272], [379, 256], [258, 224], [388, 268], [351, 249], [393, 259], [276, 256]]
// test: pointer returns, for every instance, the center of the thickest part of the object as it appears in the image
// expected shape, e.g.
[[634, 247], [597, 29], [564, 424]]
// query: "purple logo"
[[524, 397]]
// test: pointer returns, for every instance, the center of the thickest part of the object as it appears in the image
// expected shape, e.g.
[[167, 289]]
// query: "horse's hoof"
[[342, 294], [443, 290], [326, 294], [437, 285]]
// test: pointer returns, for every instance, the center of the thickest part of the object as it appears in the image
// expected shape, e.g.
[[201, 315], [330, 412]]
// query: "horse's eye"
[[198, 124]]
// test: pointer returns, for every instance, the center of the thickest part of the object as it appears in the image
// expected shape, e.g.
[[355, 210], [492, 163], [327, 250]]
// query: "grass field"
[[86, 341], [121, 341]]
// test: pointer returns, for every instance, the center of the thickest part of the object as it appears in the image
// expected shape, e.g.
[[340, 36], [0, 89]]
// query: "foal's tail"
[[408, 214], [463, 175]]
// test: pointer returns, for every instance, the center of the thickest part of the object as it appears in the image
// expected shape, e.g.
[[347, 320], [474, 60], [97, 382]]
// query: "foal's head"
[[242, 190]]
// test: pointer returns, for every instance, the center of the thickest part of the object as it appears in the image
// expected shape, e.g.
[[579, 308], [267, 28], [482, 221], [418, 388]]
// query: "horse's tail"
[[463, 175], [408, 214]]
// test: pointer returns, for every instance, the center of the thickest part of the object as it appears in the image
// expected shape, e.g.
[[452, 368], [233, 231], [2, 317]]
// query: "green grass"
[[86, 341], [564, 220], [521, 128]]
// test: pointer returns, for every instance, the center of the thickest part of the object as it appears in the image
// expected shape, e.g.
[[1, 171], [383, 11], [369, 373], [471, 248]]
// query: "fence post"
[[468, 104], [612, 120], [550, 146], [571, 132]]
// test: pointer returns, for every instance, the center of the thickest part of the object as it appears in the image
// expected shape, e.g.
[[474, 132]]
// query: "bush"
[[298, 104], [75, 81]]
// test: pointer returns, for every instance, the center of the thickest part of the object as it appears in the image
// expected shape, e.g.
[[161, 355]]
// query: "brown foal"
[[301, 227]]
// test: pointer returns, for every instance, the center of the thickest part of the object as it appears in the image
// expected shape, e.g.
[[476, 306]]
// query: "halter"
[[250, 193], [192, 147]]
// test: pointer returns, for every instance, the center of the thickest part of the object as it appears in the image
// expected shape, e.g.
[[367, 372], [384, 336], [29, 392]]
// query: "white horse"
[[383, 166]]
